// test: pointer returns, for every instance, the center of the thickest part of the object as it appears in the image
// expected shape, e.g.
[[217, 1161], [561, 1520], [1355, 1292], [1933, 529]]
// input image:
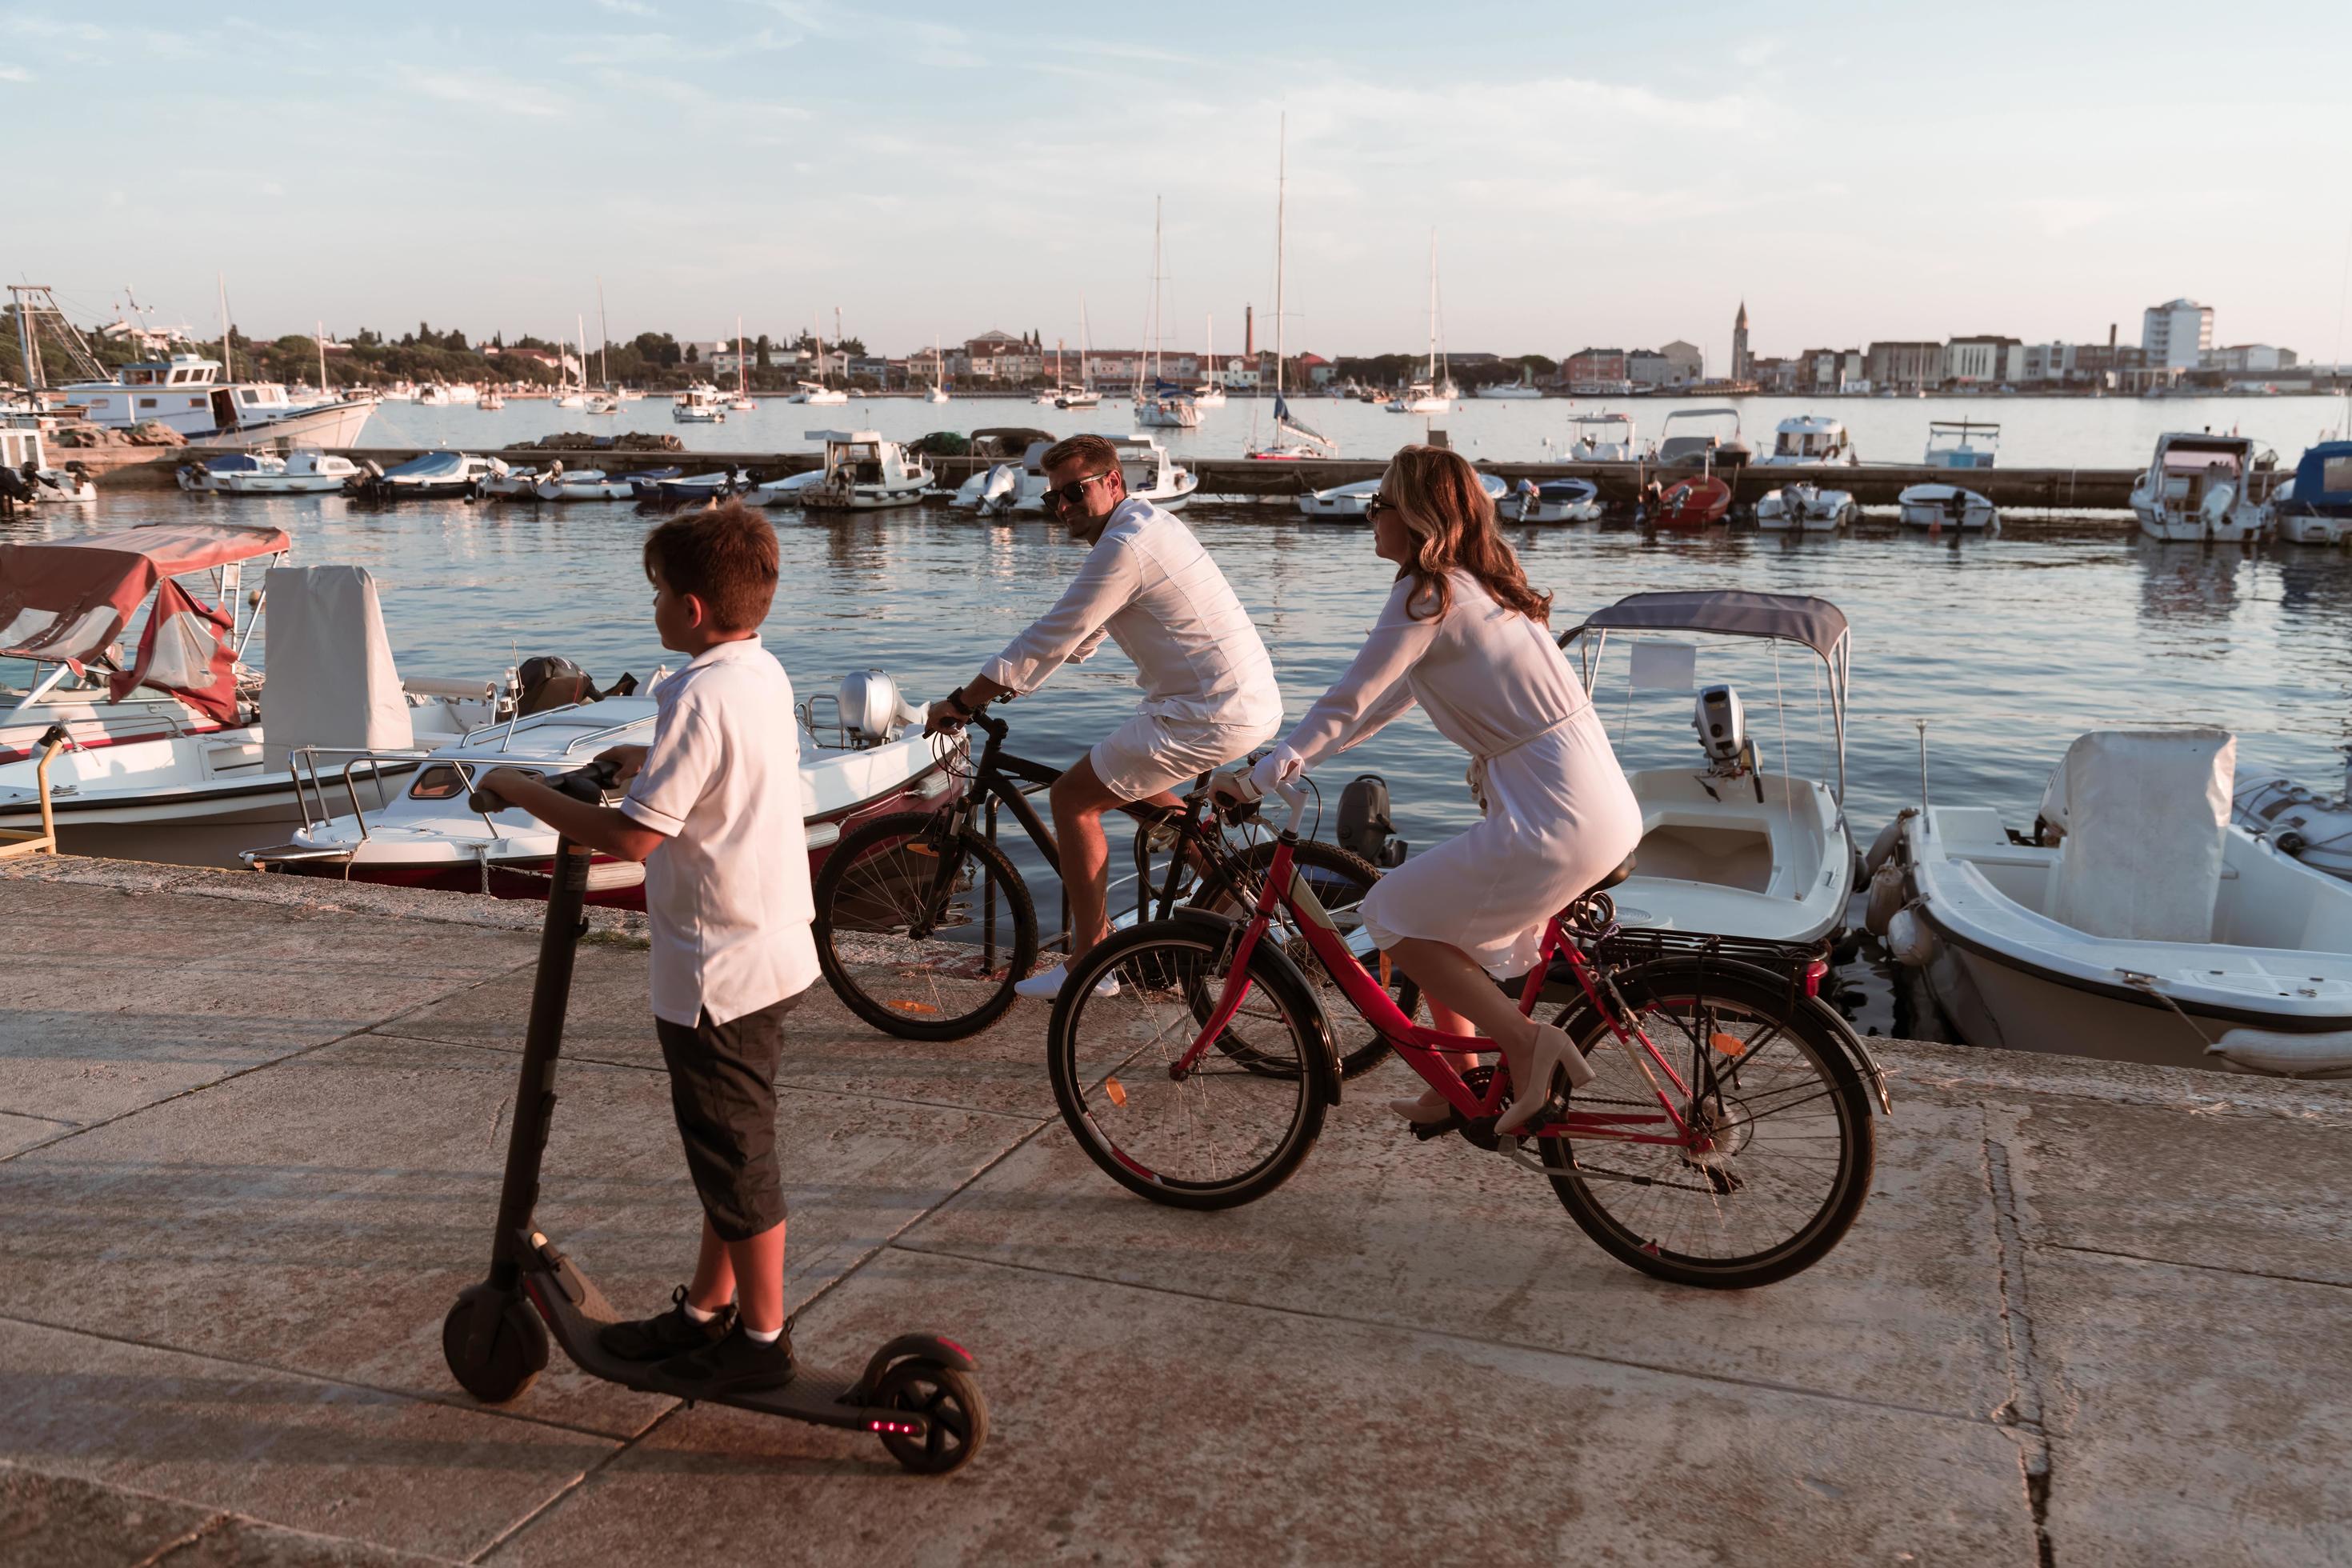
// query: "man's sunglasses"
[[1069, 495]]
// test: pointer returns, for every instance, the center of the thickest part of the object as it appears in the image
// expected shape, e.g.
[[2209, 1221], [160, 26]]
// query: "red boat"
[[1694, 502]]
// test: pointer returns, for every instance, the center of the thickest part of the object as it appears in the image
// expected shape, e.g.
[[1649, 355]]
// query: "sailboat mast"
[[603, 340], [1085, 339], [1281, 201], [739, 357], [229, 359], [1433, 310], [580, 330], [321, 333]]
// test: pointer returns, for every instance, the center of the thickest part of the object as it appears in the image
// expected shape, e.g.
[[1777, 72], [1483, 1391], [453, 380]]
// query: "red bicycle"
[[1727, 1140]]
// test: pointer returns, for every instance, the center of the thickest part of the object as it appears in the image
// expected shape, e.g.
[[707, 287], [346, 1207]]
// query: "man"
[[1209, 689]]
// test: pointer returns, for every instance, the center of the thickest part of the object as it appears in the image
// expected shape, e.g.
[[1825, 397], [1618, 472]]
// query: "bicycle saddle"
[[1611, 880]]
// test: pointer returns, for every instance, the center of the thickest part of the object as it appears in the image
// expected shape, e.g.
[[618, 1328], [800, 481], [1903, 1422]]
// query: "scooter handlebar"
[[586, 785]]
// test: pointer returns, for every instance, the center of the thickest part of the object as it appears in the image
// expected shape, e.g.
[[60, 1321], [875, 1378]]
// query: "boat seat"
[[1611, 880]]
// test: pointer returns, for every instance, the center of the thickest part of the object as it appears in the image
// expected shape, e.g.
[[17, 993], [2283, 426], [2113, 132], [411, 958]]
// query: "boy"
[[713, 810]]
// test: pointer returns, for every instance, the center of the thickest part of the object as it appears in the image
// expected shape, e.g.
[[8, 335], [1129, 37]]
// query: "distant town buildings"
[[2176, 335], [1743, 364]]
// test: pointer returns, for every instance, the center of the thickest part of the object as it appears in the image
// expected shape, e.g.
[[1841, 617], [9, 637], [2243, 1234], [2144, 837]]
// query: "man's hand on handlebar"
[[941, 719]]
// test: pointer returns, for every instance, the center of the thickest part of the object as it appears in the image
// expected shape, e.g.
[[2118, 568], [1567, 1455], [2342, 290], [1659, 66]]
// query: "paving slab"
[[18, 1134], [2195, 1416], [827, 1048], [2142, 1179], [65, 1522], [1139, 1427], [322, 1456], [322, 1215], [1377, 1227], [266, 985], [234, 1542]]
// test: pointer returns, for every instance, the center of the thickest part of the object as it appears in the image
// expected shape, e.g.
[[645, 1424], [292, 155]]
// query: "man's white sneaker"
[[1047, 984]]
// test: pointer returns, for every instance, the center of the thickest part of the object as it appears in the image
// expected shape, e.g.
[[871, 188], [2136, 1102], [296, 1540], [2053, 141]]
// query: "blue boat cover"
[[432, 465], [2323, 480]]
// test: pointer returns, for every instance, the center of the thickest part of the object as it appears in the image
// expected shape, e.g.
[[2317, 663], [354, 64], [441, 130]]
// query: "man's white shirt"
[[1149, 587], [727, 896]]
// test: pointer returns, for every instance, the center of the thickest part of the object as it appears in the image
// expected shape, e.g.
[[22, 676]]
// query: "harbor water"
[[2003, 650]]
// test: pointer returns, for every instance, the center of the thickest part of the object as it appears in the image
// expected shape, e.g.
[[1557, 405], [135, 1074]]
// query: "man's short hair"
[[1093, 450], [724, 555]]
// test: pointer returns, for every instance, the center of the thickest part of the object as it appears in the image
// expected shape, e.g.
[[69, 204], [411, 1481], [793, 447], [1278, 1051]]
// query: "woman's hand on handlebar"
[[1278, 767]]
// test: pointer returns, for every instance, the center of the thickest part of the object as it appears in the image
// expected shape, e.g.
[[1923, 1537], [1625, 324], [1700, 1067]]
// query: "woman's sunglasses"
[[1068, 495], [1377, 505]]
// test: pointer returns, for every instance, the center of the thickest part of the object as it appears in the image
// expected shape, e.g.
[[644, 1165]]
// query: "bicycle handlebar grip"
[[586, 785]]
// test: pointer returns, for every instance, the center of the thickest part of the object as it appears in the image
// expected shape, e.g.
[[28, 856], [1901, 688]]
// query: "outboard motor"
[[1365, 826], [1722, 728], [548, 680], [1000, 489], [872, 710]]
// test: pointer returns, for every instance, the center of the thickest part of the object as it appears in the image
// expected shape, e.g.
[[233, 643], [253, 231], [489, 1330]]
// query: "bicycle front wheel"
[[922, 930], [1786, 1158], [1226, 1127]]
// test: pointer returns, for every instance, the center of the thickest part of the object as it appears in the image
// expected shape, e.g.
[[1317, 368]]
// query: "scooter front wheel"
[[508, 1352], [953, 1408]]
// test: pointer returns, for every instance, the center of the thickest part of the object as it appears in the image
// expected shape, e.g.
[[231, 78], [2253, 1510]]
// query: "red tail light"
[[1813, 974]]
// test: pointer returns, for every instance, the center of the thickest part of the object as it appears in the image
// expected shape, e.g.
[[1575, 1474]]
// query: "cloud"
[[272, 188], [628, 7], [477, 86], [14, 73], [2064, 215], [1756, 54]]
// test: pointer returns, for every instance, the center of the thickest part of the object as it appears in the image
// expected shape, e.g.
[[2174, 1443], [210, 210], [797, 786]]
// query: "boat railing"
[[310, 783]]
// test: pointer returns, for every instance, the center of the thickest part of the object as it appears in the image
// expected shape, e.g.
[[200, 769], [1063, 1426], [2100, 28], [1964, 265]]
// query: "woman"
[[1465, 636]]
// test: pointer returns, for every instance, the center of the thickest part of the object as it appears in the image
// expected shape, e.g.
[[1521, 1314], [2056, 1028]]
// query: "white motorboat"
[[437, 396], [1421, 397], [1938, 507], [1524, 389], [1729, 849], [863, 472], [25, 476], [506, 483], [2197, 489], [1553, 501], [1803, 508], [2315, 507], [463, 392], [435, 476], [2300, 821], [490, 401], [302, 472], [563, 484], [2137, 923], [867, 761], [1711, 450], [816, 392], [600, 402], [185, 392], [697, 404], [1962, 444], [179, 753], [398, 392], [1606, 438], [1011, 489], [1812, 440], [1340, 503], [1075, 397], [786, 491]]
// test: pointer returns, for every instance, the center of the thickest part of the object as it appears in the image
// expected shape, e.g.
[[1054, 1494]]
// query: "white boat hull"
[[1778, 870]]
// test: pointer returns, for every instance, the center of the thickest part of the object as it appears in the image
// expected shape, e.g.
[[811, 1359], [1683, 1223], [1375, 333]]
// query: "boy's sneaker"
[[1047, 984], [660, 1338], [735, 1365]]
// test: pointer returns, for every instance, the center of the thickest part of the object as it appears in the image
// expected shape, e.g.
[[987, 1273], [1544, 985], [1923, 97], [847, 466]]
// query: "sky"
[[1618, 176]]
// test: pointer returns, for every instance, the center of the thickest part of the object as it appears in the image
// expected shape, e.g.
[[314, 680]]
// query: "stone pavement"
[[250, 1136]]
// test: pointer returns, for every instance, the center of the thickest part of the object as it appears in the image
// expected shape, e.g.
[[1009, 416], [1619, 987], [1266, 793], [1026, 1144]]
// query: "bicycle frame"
[[1424, 1049]]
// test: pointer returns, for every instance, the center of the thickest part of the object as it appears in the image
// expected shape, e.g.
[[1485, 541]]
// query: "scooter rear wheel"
[[509, 1361], [950, 1404]]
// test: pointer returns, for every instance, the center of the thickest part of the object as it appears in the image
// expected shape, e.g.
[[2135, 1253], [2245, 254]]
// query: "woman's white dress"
[[1558, 813]]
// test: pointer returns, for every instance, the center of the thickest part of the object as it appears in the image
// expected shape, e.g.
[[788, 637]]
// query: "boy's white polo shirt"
[[727, 896]]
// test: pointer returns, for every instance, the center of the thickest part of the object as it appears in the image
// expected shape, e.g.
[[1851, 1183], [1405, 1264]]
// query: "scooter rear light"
[[894, 1428], [955, 1347], [1814, 971]]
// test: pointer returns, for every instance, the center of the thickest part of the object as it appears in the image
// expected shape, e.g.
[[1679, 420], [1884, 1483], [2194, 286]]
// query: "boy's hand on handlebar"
[[488, 788], [627, 762]]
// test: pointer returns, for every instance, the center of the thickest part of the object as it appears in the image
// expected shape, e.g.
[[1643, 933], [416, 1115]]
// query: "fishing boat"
[[697, 404], [2195, 488], [25, 476], [863, 472], [1729, 849], [1694, 502], [1962, 444], [186, 393], [2315, 507], [1803, 508], [180, 752], [863, 759], [1605, 438], [1293, 441], [1938, 507], [1553, 501], [435, 476], [1812, 440], [2137, 923], [1697, 445], [1436, 392]]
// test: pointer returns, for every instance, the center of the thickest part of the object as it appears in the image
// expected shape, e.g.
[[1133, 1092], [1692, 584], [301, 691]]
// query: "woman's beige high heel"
[[1554, 1053]]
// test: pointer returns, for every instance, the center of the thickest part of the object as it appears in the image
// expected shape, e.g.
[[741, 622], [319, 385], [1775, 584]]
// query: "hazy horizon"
[[1593, 176]]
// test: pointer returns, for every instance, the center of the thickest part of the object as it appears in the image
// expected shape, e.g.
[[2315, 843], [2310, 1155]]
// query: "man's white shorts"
[[1149, 753]]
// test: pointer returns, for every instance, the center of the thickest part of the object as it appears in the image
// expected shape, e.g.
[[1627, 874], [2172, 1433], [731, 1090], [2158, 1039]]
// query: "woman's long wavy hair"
[[1451, 520]]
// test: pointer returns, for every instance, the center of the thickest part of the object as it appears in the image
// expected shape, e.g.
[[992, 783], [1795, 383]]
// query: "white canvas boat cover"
[[332, 679], [2145, 813]]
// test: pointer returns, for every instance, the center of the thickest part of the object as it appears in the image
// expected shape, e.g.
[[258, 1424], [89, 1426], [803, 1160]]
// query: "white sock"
[[695, 1314], [765, 1336]]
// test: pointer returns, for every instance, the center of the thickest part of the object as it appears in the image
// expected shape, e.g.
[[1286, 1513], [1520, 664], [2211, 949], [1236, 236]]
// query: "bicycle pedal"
[[1426, 1131]]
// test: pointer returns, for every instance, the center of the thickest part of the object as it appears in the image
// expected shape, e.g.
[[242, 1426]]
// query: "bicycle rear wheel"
[[1230, 1127], [1339, 880], [1792, 1136], [920, 930]]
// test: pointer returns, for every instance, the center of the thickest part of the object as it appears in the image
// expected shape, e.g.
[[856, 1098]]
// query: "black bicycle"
[[924, 924]]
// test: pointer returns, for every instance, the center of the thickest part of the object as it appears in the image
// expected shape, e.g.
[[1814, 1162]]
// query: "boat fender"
[[1883, 846], [1886, 896], [1907, 940], [2325, 1055]]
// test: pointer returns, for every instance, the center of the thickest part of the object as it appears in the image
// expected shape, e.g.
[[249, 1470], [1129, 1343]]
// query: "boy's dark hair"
[[724, 555], [1097, 453]]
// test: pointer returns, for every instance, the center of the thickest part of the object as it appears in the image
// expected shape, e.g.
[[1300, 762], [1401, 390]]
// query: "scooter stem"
[[534, 1111]]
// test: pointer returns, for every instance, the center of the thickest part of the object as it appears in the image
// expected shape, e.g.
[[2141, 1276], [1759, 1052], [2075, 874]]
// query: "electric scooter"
[[918, 1392]]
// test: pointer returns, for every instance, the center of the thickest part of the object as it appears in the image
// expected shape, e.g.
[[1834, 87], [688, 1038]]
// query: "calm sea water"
[[2006, 648]]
